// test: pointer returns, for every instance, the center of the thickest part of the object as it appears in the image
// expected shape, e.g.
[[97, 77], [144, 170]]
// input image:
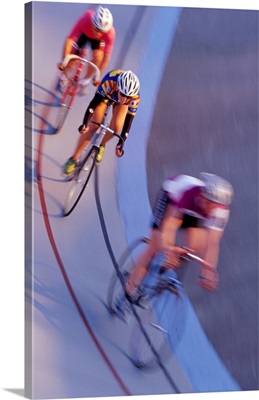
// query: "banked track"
[[40, 154], [54, 245]]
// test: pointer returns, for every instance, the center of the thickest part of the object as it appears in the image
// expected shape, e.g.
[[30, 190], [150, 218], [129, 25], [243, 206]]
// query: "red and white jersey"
[[183, 192], [84, 26]]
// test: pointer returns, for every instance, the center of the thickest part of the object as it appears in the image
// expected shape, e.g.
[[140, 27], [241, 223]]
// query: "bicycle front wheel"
[[149, 338], [63, 110], [65, 104], [80, 181], [164, 323]]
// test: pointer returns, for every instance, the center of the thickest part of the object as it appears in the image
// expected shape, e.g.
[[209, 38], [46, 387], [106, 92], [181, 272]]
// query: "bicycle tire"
[[163, 326], [116, 284], [80, 181], [64, 105]]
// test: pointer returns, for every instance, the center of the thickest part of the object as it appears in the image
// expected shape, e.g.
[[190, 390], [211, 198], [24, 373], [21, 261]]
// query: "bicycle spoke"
[[141, 353]]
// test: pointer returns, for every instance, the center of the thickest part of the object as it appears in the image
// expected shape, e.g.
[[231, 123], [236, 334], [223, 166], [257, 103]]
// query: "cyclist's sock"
[[69, 166], [100, 155]]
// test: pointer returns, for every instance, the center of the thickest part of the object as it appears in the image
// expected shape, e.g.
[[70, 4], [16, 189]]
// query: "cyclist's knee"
[[97, 57], [157, 241], [196, 239]]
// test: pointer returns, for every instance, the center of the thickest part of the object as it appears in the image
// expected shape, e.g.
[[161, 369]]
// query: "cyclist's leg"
[[119, 112], [195, 239], [142, 263], [158, 241], [98, 57], [198, 241], [85, 138]]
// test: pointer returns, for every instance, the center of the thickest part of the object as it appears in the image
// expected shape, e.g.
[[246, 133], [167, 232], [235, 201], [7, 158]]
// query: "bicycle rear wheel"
[[80, 181]]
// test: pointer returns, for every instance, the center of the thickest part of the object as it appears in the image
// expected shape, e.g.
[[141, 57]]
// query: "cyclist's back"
[[183, 192], [83, 29]]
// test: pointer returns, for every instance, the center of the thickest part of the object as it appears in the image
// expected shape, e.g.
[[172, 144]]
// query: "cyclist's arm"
[[104, 63], [211, 254], [67, 49], [215, 227], [132, 109], [109, 39], [96, 100], [209, 278], [172, 221], [69, 43], [170, 224], [126, 127], [75, 33]]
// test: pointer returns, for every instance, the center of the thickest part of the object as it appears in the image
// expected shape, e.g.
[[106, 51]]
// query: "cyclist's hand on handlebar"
[[83, 129], [60, 66], [209, 279], [95, 82], [119, 151], [119, 148], [173, 256]]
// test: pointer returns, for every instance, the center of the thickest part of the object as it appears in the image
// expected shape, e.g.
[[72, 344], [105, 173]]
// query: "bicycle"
[[69, 83], [162, 316], [84, 168]]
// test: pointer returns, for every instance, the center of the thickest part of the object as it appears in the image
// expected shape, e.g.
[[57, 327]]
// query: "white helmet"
[[128, 83], [102, 19], [217, 189]]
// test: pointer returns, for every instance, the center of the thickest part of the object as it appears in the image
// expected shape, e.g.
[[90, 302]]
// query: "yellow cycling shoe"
[[69, 166], [100, 155]]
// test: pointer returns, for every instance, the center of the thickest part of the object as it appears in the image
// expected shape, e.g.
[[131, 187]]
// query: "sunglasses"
[[127, 97]]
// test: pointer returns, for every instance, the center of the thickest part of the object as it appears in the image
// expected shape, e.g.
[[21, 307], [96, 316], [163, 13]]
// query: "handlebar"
[[198, 259], [108, 130], [70, 57], [187, 254], [208, 282]]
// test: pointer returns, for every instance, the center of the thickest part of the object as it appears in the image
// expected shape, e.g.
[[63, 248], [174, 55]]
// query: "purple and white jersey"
[[182, 191]]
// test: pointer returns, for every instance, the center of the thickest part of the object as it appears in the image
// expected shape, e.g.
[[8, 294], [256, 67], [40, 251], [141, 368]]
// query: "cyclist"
[[96, 28], [122, 88], [199, 210]]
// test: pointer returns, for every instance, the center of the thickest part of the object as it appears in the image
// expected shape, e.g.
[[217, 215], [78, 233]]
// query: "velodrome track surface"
[[78, 349]]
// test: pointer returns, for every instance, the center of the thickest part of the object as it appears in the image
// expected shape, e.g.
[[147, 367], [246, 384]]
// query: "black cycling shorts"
[[188, 221], [83, 40]]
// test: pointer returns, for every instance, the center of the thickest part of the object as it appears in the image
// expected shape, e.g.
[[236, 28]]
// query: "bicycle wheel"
[[175, 318], [65, 104], [80, 181], [125, 264], [163, 321], [143, 347]]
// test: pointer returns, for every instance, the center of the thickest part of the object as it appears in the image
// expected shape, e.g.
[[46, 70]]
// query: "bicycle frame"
[[84, 170], [77, 77], [98, 136], [163, 317], [72, 86]]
